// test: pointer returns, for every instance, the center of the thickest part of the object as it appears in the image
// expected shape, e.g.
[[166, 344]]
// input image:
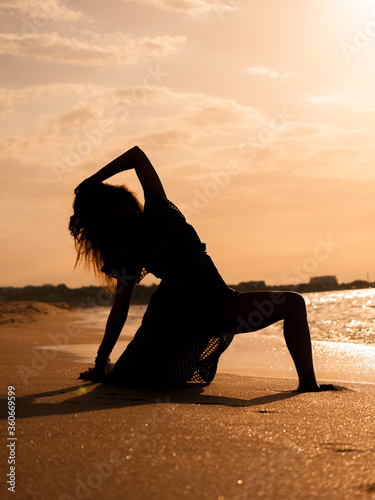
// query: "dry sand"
[[238, 438]]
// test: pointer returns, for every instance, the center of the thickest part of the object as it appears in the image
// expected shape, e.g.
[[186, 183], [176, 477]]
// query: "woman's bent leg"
[[252, 311]]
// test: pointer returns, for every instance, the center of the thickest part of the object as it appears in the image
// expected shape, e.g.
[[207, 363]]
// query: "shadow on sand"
[[96, 397]]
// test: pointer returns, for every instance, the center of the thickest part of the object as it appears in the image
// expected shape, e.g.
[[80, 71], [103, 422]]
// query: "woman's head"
[[100, 211]]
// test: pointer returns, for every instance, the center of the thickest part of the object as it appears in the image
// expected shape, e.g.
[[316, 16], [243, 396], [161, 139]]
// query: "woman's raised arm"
[[133, 158]]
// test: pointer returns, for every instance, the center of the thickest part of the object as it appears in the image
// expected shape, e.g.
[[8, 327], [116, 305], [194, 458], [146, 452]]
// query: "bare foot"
[[320, 388]]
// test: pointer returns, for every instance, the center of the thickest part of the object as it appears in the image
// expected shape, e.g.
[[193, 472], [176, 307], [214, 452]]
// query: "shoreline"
[[238, 438], [256, 354], [98, 296], [328, 358]]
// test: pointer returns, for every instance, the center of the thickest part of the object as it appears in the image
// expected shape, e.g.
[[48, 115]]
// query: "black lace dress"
[[181, 336]]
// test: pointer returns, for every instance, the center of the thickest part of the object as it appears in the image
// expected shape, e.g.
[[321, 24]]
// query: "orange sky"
[[258, 115]]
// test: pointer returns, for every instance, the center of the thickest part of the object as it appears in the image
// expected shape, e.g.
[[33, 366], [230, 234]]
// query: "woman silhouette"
[[192, 316]]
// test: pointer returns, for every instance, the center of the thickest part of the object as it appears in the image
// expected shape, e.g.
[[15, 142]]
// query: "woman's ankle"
[[308, 387], [307, 384]]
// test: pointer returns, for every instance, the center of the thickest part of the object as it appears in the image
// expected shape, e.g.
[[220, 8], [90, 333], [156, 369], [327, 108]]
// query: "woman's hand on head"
[[90, 181], [133, 158]]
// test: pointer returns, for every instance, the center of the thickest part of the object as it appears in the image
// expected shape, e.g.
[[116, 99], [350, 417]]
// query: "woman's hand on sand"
[[87, 375], [97, 374], [93, 375]]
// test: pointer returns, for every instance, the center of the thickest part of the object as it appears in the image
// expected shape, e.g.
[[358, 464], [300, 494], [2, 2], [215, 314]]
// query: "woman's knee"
[[295, 302]]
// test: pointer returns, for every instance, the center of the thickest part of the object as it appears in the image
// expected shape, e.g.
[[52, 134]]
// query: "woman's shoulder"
[[162, 204]]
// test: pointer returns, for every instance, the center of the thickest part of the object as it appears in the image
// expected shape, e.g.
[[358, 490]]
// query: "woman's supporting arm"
[[137, 159], [117, 317]]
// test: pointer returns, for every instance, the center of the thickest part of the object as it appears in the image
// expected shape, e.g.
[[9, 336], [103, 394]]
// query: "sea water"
[[342, 325]]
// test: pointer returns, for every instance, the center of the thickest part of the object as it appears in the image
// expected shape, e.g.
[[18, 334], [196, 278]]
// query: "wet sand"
[[241, 437]]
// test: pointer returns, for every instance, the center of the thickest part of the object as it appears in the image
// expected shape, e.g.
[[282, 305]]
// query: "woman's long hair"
[[93, 225]]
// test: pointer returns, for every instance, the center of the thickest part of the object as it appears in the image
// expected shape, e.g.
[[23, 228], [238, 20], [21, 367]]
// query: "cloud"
[[190, 6], [199, 128], [303, 129], [165, 140], [337, 163], [338, 100], [210, 113], [193, 111], [262, 71], [341, 111], [13, 100], [40, 11], [70, 127], [91, 49]]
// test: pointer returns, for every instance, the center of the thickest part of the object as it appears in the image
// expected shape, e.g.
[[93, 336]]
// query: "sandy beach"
[[239, 438]]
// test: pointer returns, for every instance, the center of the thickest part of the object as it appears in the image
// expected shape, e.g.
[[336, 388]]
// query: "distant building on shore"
[[246, 286], [324, 282]]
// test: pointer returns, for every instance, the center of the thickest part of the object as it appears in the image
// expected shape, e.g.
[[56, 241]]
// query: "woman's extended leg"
[[252, 311]]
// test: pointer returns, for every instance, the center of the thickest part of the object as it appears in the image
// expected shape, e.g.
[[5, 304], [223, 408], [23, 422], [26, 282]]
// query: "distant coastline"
[[94, 296]]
